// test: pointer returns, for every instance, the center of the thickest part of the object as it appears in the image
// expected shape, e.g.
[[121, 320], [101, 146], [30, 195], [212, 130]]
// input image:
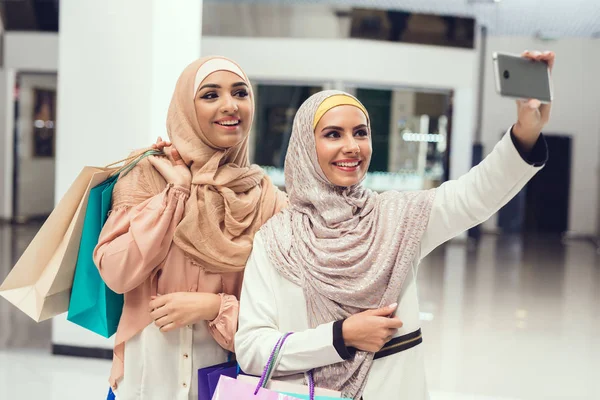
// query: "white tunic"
[[164, 365], [272, 305]]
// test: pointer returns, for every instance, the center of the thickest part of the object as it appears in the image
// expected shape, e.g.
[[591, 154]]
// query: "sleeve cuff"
[[229, 305], [225, 324], [538, 156], [344, 352], [179, 191]]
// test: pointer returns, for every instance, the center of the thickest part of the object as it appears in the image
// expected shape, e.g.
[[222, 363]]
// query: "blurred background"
[[509, 309]]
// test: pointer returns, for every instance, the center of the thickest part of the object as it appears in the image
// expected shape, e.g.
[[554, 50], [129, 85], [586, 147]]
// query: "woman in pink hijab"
[[180, 233]]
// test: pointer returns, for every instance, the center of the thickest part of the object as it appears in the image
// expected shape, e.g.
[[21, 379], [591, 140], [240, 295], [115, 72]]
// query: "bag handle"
[[125, 160], [131, 162], [269, 368]]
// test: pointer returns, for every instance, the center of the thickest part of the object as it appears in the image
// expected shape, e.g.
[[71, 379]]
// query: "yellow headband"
[[336, 101]]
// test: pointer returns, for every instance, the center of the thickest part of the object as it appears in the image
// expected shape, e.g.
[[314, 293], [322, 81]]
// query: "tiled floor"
[[516, 319], [511, 319], [17, 330]]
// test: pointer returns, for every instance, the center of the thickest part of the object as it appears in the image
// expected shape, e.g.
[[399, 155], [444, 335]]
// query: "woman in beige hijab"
[[179, 234], [338, 267]]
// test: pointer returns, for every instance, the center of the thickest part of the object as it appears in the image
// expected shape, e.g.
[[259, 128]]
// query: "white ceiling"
[[546, 18]]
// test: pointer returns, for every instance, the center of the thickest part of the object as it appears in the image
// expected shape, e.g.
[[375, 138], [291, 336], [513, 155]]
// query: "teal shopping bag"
[[93, 305]]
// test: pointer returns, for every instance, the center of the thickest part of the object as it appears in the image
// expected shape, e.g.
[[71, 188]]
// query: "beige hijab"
[[349, 248], [229, 200]]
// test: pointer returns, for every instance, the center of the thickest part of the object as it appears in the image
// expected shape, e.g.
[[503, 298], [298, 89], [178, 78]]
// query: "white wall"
[[7, 84], [274, 20], [31, 51], [462, 132], [574, 112], [349, 60], [402, 107]]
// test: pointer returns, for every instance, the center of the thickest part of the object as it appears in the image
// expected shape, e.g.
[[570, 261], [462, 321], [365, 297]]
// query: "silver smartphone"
[[520, 78]]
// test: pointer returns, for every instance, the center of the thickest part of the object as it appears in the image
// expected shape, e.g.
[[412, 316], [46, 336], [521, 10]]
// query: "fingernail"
[[394, 305]]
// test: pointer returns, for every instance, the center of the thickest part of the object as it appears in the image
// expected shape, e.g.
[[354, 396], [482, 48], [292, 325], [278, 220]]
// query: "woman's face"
[[343, 141], [224, 108]]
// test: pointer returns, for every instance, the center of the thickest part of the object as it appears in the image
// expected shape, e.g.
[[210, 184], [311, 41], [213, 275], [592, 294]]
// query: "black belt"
[[400, 343]]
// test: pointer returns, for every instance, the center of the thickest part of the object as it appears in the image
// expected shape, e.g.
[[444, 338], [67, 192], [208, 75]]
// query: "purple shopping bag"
[[213, 377], [204, 388]]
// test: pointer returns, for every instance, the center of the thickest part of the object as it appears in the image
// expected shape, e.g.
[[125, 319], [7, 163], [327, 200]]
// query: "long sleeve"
[[223, 327], [259, 327], [135, 241], [473, 198]]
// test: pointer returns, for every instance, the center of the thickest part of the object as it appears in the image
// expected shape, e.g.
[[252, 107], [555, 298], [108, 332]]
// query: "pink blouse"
[[136, 256]]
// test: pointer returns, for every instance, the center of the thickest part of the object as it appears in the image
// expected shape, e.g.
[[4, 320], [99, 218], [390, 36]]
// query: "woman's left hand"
[[176, 310], [161, 144], [532, 114]]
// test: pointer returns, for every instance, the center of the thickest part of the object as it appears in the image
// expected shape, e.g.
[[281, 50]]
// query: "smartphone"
[[521, 78]]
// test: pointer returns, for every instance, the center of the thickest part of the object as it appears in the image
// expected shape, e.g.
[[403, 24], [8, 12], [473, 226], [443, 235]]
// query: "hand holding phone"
[[524, 77], [534, 98]]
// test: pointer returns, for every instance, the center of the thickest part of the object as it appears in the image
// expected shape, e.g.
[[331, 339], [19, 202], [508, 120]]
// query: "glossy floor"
[[509, 319]]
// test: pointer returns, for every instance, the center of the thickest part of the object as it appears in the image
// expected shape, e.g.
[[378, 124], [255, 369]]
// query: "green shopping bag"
[[93, 305]]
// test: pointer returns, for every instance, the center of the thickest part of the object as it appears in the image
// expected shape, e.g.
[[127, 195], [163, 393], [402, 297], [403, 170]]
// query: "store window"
[[410, 133], [276, 106]]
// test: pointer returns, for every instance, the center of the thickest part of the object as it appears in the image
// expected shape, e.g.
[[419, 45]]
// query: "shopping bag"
[[204, 390], [289, 387], [93, 305], [40, 282], [307, 396], [232, 371], [229, 388], [310, 392]]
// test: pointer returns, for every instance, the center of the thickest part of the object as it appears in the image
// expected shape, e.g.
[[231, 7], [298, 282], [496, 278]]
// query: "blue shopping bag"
[[93, 305]]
